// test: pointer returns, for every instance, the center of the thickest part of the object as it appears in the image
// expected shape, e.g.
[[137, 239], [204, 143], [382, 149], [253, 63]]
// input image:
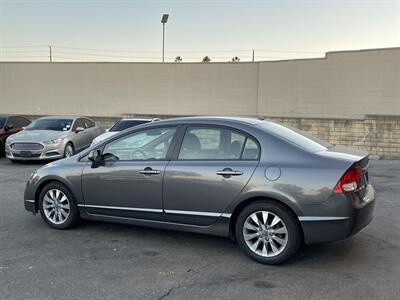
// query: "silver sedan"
[[52, 138]]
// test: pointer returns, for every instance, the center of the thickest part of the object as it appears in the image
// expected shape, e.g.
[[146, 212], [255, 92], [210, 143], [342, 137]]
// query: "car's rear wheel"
[[267, 232], [58, 206], [68, 150]]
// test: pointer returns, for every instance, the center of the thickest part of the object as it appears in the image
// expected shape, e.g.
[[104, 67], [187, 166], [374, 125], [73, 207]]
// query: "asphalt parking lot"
[[109, 261]]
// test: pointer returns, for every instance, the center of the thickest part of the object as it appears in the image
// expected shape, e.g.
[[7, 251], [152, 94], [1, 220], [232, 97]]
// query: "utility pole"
[[163, 40], [253, 56], [164, 20], [51, 58]]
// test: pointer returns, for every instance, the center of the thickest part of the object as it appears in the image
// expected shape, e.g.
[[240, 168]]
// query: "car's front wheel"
[[68, 150], [267, 232], [58, 207]]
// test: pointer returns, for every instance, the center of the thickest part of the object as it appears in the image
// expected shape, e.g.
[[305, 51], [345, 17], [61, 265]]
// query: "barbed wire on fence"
[[64, 53]]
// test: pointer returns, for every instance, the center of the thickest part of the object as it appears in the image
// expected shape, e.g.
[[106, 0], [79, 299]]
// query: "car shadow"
[[315, 253], [24, 162]]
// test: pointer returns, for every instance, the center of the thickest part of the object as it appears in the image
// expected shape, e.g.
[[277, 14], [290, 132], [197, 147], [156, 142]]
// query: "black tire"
[[293, 231], [2, 150], [73, 215], [66, 150]]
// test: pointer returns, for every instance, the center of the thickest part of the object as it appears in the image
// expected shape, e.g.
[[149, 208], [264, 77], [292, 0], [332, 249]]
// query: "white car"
[[121, 125]]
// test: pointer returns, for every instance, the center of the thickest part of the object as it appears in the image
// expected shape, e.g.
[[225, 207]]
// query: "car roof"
[[208, 119], [135, 119], [63, 117], [7, 116]]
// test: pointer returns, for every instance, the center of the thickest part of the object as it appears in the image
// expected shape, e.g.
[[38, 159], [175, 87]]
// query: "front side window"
[[50, 124], [17, 122], [149, 144], [214, 144]]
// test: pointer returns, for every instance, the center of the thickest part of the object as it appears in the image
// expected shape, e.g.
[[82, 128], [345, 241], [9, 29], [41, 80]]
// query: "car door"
[[213, 165], [80, 138], [91, 130], [128, 181]]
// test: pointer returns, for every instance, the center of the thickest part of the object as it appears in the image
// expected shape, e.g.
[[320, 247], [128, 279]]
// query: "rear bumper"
[[327, 229]]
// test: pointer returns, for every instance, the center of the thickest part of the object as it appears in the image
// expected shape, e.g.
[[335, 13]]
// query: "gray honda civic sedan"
[[266, 186]]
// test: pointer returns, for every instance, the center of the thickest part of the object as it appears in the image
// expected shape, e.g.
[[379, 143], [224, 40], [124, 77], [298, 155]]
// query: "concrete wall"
[[342, 85], [348, 98], [379, 135]]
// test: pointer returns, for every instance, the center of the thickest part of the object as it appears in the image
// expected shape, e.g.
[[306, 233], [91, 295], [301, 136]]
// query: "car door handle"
[[229, 172], [149, 171]]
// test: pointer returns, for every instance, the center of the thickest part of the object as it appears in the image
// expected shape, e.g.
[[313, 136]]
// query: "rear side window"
[[251, 150], [79, 123], [89, 123], [209, 143]]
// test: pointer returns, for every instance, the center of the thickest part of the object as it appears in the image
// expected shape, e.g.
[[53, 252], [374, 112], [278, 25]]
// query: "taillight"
[[350, 181]]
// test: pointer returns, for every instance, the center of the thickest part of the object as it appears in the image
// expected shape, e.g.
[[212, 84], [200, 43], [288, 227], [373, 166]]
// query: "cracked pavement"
[[110, 261]]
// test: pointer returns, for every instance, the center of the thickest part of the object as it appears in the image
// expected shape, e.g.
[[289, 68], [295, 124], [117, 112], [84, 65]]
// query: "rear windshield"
[[297, 137], [124, 124], [50, 124], [2, 121]]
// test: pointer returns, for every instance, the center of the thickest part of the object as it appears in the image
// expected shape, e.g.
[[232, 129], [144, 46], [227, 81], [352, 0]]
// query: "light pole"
[[164, 20]]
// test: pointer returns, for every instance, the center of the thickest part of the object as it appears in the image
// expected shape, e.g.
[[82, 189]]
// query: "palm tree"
[[235, 59], [206, 59], [178, 59]]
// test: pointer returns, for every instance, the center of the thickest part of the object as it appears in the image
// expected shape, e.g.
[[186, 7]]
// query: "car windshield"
[[295, 136], [2, 122], [124, 124], [50, 124]]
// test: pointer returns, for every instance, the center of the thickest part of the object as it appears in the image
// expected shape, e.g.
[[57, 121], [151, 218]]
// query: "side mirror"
[[79, 129], [94, 155], [8, 127], [108, 129]]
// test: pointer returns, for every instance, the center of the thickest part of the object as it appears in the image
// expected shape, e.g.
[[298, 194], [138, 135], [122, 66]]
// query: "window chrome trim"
[[122, 208], [316, 218], [197, 213]]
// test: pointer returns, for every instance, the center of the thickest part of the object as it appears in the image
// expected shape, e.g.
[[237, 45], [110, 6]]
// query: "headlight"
[[9, 140], [51, 142]]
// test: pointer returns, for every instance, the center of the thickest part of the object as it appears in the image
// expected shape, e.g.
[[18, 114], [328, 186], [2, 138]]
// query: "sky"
[[128, 30]]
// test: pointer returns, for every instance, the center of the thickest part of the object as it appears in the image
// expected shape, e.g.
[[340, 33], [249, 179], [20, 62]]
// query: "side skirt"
[[219, 228]]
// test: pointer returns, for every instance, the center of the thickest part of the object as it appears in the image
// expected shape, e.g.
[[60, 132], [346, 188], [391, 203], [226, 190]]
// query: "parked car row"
[[54, 137]]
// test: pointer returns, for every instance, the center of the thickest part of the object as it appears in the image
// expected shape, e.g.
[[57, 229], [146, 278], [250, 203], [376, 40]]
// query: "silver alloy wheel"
[[265, 233], [69, 151], [56, 206]]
